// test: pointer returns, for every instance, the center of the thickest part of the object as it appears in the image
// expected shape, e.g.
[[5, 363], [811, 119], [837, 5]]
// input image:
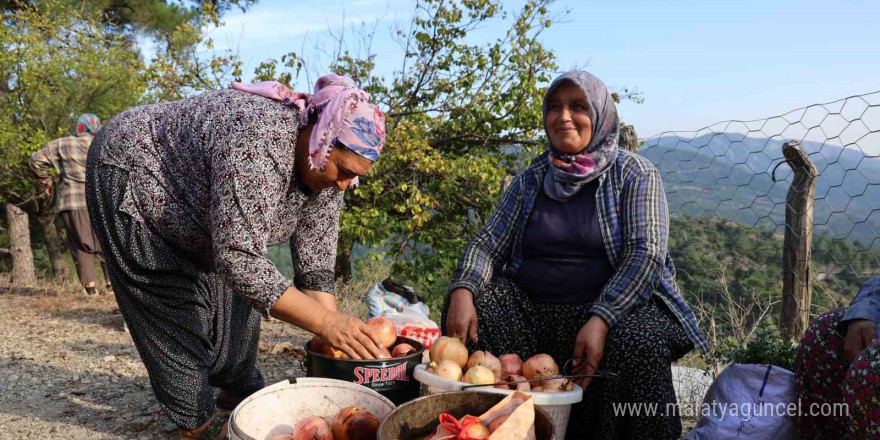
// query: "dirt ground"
[[68, 370]]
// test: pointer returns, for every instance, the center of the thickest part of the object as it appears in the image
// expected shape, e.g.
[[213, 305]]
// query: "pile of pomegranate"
[[450, 360], [352, 423], [387, 334]]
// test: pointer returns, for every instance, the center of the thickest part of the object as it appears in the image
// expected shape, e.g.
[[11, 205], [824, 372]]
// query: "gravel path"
[[67, 368]]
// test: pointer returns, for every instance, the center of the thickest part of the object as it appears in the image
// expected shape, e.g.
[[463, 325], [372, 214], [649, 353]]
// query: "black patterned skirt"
[[191, 331], [640, 349]]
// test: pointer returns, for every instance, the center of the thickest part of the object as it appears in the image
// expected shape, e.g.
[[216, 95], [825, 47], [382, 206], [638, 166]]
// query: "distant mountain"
[[730, 175]]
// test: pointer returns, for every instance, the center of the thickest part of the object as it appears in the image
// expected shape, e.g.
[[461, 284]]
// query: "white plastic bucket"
[[274, 410], [556, 405]]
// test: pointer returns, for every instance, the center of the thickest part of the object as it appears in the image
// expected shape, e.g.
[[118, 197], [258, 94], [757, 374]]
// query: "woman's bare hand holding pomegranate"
[[461, 319], [589, 345], [352, 336]]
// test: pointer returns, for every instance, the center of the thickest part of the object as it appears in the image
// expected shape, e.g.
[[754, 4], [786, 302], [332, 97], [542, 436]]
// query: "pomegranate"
[[496, 423], [523, 386], [385, 329], [485, 359], [556, 385], [449, 348], [447, 369], [539, 366], [312, 428], [511, 364], [477, 430], [353, 423], [385, 353], [402, 349], [479, 375], [318, 345]]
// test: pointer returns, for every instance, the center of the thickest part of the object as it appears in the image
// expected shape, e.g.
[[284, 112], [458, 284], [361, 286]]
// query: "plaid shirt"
[[634, 221], [68, 156]]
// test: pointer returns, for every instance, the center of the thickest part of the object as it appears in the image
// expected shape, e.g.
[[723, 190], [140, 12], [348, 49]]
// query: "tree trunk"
[[343, 262], [628, 139], [55, 246], [20, 241]]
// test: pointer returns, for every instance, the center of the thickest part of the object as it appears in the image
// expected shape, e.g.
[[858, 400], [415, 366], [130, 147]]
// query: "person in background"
[[574, 263], [68, 157], [187, 196], [838, 363]]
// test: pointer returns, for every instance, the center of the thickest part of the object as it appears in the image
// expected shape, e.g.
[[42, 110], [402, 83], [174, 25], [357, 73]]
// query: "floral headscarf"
[[87, 123], [345, 116], [571, 172]]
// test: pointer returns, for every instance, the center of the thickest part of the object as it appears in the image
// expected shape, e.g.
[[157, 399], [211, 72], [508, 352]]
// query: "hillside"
[[729, 175], [711, 253]]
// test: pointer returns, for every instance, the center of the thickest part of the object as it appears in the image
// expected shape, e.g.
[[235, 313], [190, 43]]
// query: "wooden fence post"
[[628, 139], [797, 251]]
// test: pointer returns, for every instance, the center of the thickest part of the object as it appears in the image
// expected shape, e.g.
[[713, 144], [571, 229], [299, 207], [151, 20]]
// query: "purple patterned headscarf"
[[571, 172], [345, 116]]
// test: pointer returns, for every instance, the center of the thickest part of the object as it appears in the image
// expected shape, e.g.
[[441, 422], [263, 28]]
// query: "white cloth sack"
[[749, 402]]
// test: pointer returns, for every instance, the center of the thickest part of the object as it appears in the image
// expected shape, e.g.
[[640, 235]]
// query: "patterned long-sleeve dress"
[[186, 197]]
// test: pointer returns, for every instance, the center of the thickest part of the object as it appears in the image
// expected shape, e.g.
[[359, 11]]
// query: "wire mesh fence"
[[726, 186]]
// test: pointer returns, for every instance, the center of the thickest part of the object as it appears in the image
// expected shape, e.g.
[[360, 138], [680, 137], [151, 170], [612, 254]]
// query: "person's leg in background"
[[77, 223]]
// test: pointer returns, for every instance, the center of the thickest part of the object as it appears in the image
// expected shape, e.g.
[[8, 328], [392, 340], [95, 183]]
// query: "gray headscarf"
[[561, 184]]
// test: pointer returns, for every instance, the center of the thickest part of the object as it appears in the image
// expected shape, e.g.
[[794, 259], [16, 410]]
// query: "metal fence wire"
[[727, 211]]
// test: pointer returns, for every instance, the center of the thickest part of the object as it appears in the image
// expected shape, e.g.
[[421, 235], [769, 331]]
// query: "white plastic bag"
[[382, 300], [405, 309], [749, 402], [413, 322]]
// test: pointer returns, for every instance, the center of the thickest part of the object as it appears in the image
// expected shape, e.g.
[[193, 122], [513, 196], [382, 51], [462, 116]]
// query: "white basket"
[[274, 410], [556, 405]]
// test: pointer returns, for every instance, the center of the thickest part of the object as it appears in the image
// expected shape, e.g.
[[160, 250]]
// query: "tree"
[[61, 58], [462, 114], [57, 62]]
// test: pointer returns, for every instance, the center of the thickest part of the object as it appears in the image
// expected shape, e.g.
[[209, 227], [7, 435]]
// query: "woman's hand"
[[350, 335], [859, 335], [589, 345], [461, 319]]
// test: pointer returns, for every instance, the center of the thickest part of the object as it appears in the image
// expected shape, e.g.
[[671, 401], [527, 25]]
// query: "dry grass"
[[351, 295], [52, 295]]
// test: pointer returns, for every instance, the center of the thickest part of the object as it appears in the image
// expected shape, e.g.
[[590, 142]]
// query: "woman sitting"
[[838, 363], [574, 263]]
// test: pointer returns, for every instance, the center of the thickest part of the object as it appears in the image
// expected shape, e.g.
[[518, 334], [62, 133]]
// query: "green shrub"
[[766, 347]]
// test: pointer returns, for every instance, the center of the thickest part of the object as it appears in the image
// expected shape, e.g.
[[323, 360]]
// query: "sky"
[[695, 62]]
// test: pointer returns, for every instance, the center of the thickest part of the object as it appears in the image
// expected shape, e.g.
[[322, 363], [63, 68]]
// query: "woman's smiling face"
[[568, 119]]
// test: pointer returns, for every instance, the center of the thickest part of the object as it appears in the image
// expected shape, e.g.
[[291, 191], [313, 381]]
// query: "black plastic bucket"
[[392, 378]]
